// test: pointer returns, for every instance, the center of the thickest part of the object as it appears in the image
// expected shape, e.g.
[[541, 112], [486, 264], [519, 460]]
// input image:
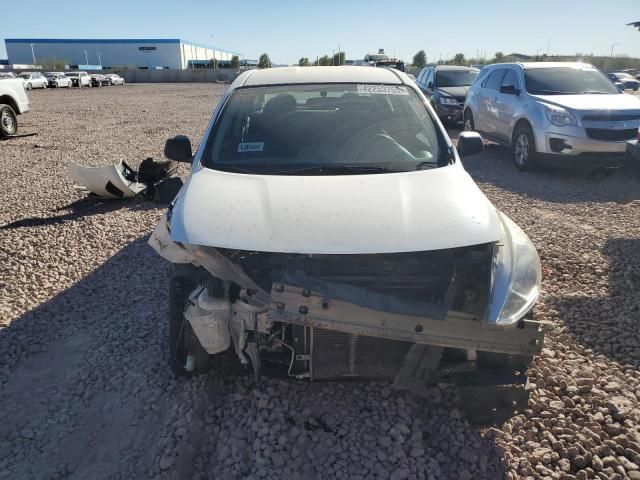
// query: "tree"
[[459, 59], [420, 59], [213, 63], [338, 58], [323, 61], [499, 57], [264, 61], [53, 63], [235, 62], [303, 62]]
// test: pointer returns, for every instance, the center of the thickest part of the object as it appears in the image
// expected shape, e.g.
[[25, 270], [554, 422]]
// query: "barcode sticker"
[[382, 89]]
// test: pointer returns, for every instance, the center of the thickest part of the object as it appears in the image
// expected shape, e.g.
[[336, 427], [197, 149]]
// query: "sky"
[[290, 29]]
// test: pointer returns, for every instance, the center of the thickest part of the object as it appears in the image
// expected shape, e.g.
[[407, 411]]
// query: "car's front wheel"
[[8, 121], [467, 120], [524, 148], [29, 86]]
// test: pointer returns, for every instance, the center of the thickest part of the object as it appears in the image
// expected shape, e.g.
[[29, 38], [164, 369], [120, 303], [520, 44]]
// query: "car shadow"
[[83, 207], [87, 372], [608, 324], [567, 184]]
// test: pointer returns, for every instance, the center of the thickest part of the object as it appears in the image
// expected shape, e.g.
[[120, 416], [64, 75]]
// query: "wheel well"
[[519, 123], [8, 100]]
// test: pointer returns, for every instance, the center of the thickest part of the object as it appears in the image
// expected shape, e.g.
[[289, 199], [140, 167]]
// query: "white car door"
[[505, 104]]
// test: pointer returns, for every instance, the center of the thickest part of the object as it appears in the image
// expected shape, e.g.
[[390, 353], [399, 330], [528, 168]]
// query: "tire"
[[29, 86], [182, 339], [524, 148], [467, 121], [8, 121]]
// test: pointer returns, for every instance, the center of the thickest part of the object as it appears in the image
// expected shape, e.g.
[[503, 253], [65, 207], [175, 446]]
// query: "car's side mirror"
[[509, 90], [430, 85], [178, 148], [470, 143]]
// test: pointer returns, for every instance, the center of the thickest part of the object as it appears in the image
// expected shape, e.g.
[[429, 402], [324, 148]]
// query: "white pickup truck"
[[13, 101]]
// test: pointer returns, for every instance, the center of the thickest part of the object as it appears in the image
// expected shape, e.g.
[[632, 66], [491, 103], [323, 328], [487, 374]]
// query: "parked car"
[[619, 85], [360, 239], [115, 79], [13, 102], [628, 81], [34, 80], [80, 79], [446, 87], [58, 79], [551, 111], [8, 75], [98, 80]]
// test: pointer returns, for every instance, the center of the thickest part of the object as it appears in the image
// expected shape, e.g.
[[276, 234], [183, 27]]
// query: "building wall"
[[138, 52], [191, 51], [149, 53]]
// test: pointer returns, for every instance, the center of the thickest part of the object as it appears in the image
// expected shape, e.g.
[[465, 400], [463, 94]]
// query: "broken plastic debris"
[[113, 181]]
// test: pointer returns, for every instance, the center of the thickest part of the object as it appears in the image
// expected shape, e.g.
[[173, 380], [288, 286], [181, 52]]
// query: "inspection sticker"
[[383, 89], [250, 147]]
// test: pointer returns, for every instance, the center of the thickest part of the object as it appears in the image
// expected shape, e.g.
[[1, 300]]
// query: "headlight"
[[515, 276], [448, 101], [559, 116]]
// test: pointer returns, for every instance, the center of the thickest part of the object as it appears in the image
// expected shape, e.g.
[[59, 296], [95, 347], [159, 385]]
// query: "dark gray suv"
[[446, 88]]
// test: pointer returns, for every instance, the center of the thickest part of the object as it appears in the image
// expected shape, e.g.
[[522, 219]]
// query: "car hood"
[[347, 214], [620, 101], [454, 91]]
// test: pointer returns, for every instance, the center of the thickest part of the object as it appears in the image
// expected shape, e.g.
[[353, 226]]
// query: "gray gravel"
[[84, 387]]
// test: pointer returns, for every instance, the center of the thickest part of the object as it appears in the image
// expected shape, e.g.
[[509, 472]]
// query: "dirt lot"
[[85, 392]]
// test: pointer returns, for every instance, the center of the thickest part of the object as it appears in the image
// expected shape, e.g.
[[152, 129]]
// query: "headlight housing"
[[559, 116], [516, 276], [448, 101]]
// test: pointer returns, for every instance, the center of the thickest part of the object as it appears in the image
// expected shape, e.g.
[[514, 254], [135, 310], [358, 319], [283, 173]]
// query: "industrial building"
[[89, 53]]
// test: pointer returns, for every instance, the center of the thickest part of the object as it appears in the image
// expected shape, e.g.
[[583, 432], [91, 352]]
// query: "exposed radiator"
[[337, 354]]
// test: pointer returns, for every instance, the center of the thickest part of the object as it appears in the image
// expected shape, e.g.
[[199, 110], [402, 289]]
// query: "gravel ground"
[[84, 387]]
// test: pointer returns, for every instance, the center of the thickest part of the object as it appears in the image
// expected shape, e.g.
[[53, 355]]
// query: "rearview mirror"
[[470, 143], [178, 148], [509, 90]]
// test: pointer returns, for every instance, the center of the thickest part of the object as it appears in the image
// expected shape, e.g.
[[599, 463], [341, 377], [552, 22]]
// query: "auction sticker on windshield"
[[382, 89], [250, 147]]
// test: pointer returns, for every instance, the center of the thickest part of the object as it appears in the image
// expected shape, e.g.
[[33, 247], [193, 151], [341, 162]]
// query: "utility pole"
[[333, 54], [86, 57], [614, 46], [33, 54], [339, 59], [548, 45], [99, 59]]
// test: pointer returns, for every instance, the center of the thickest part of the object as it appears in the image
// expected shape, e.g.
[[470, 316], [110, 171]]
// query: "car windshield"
[[623, 75], [455, 78], [325, 129], [25, 75], [567, 81]]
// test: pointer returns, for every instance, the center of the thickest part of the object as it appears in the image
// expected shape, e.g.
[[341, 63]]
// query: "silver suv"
[[551, 110]]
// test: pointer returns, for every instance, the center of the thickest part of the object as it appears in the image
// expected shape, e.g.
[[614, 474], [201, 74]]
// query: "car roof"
[[302, 75], [532, 65], [454, 67]]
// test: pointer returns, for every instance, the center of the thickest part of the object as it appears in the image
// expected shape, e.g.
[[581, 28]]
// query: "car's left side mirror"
[[509, 90], [178, 148], [470, 143]]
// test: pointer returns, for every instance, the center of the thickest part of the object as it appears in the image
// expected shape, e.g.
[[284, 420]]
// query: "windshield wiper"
[[354, 169]]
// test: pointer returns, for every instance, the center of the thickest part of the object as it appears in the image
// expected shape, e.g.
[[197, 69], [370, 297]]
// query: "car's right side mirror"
[[470, 143], [178, 148], [430, 85]]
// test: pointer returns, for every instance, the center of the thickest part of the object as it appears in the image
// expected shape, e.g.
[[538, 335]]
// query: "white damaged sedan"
[[328, 229]]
